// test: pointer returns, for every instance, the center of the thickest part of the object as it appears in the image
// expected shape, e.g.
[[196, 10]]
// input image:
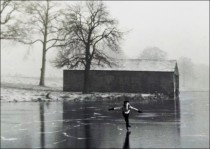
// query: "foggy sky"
[[179, 28]]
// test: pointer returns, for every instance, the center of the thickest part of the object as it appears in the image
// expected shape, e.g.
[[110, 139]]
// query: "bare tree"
[[9, 24], [90, 35], [154, 53], [41, 26]]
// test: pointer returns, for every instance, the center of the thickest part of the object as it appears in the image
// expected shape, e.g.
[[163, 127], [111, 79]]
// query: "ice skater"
[[126, 108]]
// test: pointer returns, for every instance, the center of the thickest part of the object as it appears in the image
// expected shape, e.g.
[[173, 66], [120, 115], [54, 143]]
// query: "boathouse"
[[130, 76]]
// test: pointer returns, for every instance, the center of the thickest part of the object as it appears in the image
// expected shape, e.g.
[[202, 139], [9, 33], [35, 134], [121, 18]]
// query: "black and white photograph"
[[96, 74]]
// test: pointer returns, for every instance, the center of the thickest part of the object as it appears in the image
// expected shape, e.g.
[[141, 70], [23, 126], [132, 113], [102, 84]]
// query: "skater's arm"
[[136, 109], [115, 108], [133, 108]]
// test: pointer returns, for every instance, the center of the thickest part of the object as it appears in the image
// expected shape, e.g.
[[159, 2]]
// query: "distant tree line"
[[191, 76]]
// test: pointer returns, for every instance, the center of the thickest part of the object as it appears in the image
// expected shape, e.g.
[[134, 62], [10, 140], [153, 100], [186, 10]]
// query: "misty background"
[[175, 30]]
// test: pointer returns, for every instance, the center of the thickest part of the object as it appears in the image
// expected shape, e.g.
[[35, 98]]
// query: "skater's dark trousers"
[[126, 117]]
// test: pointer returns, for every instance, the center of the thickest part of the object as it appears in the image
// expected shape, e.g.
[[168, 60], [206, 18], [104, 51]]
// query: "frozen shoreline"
[[32, 93]]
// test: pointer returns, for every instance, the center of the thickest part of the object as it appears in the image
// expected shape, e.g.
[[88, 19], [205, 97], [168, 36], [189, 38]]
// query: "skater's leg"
[[128, 120], [126, 117]]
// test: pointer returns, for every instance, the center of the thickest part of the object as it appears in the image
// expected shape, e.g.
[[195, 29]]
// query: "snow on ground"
[[16, 94], [31, 83], [25, 89]]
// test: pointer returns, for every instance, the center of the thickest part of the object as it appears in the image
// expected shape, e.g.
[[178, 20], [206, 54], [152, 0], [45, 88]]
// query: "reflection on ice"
[[127, 141], [147, 115], [103, 116], [69, 136], [49, 132], [96, 113], [119, 128], [8, 139]]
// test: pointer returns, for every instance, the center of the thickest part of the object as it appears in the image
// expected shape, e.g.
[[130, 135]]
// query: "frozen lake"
[[183, 124]]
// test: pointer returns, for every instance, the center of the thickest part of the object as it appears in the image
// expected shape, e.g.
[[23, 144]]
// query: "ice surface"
[[79, 125], [8, 139]]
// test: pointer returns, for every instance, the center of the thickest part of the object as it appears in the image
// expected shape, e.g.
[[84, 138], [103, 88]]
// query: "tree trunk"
[[86, 79], [44, 51], [87, 70], [42, 76]]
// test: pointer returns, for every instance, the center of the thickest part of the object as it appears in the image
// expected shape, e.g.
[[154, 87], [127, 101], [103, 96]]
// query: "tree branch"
[[32, 42]]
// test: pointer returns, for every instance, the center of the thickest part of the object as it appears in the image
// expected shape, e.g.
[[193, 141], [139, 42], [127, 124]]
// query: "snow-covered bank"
[[50, 95], [35, 95]]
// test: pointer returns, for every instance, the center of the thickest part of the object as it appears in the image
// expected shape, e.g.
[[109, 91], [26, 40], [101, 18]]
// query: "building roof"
[[144, 65]]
